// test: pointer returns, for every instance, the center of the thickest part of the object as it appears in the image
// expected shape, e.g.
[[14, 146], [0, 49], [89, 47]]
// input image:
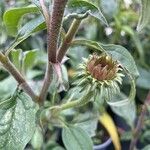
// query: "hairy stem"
[[68, 39], [53, 30], [17, 75], [140, 123], [55, 25]]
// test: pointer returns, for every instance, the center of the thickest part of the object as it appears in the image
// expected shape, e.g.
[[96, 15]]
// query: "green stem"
[[76, 103], [68, 39]]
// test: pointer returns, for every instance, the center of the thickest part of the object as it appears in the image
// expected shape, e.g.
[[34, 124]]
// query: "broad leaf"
[[87, 121], [147, 147], [89, 126], [145, 14], [32, 26], [17, 121], [83, 6], [75, 138], [122, 110], [110, 8], [24, 32], [144, 79], [12, 18]]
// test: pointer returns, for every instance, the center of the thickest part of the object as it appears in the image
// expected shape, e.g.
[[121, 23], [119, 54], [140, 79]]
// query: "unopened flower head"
[[101, 73]]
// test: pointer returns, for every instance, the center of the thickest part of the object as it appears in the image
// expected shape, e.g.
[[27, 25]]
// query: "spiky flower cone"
[[102, 74]]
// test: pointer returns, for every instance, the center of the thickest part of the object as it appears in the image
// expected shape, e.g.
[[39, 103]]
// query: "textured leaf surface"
[[75, 138], [82, 6], [144, 15], [17, 122]]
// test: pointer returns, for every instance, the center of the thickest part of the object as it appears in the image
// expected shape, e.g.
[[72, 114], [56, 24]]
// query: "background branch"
[[140, 123], [17, 75]]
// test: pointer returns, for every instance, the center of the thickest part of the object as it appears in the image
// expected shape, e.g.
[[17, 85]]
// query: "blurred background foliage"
[[122, 17]]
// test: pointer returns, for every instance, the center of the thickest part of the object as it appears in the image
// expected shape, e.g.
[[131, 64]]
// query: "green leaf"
[[17, 122], [146, 147], [144, 15], [88, 122], [122, 55], [83, 6], [13, 16], [144, 79], [75, 138], [110, 8], [29, 59], [16, 58], [122, 110], [33, 26], [7, 87]]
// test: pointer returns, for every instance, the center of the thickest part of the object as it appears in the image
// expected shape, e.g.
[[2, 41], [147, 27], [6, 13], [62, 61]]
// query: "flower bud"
[[102, 73]]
